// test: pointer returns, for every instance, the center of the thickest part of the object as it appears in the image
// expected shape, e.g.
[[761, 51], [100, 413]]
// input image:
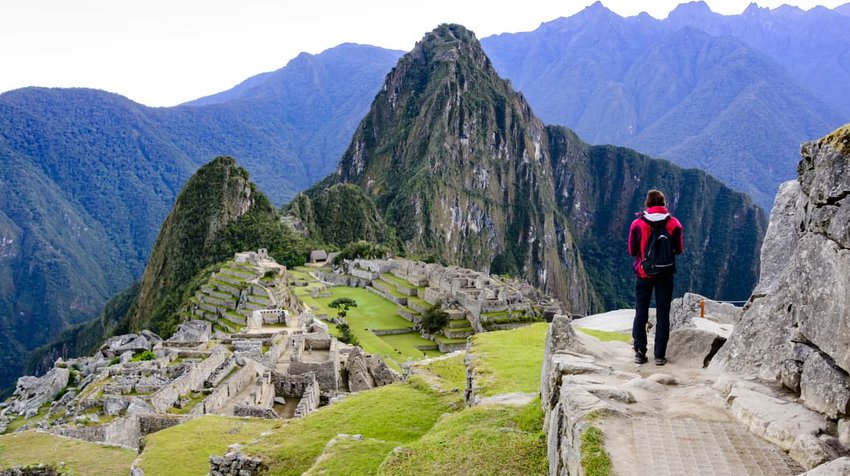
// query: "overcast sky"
[[165, 52]]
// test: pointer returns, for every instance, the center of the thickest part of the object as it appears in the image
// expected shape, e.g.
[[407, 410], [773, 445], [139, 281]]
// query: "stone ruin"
[[282, 364], [476, 302]]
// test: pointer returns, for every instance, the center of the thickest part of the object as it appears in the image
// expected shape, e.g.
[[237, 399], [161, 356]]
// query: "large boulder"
[[33, 392], [359, 378], [797, 324], [693, 347], [192, 331]]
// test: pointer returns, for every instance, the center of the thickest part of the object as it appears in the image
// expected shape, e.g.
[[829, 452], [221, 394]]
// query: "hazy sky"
[[164, 52]]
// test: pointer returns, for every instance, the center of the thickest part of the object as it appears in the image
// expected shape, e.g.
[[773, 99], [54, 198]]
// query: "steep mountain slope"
[[461, 168], [218, 212], [87, 177], [699, 100]]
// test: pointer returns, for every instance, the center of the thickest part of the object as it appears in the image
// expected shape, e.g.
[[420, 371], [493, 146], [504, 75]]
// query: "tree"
[[434, 319], [342, 305]]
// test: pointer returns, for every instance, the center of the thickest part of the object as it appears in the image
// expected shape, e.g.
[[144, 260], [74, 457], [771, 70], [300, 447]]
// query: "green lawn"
[[398, 414], [80, 457], [185, 449], [451, 371], [373, 312], [485, 440], [509, 361]]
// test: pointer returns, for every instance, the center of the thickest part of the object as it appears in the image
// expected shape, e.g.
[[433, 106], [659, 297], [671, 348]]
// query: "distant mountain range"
[[700, 89], [87, 177]]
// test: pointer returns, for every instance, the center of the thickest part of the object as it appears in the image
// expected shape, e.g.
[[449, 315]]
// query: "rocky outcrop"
[[366, 372], [796, 327], [693, 347], [33, 392]]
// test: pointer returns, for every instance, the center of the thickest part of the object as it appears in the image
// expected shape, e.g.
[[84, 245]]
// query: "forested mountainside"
[[461, 168], [89, 176]]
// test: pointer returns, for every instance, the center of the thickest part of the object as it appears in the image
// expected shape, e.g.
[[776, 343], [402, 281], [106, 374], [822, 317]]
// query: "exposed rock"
[[684, 309], [790, 374], [824, 387], [611, 393], [137, 406], [838, 467], [33, 392], [663, 379], [380, 372], [781, 237], [645, 384], [803, 301], [113, 405], [359, 378], [809, 451], [844, 432], [693, 347], [192, 331]]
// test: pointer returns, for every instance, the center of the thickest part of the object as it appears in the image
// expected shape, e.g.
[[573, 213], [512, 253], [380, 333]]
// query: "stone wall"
[[194, 379], [309, 399], [152, 423], [121, 432], [236, 464], [239, 381]]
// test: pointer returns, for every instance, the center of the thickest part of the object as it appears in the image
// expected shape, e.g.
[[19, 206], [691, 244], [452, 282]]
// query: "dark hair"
[[655, 198]]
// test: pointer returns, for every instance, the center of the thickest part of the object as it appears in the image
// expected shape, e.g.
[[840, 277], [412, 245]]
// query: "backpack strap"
[[655, 224]]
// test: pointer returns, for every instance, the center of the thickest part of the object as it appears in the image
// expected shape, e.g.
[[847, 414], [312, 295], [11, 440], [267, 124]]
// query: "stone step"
[[241, 274], [225, 287], [458, 324], [458, 333], [206, 298], [238, 320], [261, 300], [212, 308]]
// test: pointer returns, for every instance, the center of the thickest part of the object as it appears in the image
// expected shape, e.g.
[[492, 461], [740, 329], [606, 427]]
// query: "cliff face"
[[796, 328], [461, 168]]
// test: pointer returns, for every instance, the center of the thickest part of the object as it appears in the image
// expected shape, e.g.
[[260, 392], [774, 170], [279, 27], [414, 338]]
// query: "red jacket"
[[640, 230]]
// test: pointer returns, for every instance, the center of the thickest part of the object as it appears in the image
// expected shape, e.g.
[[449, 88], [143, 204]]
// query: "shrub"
[[434, 319], [144, 355]]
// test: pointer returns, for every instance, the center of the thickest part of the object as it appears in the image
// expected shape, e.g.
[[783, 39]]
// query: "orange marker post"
[[702, 308]]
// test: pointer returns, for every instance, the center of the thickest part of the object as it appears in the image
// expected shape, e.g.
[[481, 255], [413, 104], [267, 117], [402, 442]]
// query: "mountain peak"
[[596, 11], [690, 11]]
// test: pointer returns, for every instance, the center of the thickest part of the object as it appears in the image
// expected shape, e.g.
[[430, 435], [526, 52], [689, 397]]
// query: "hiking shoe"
[[640, 357], [660, 361]]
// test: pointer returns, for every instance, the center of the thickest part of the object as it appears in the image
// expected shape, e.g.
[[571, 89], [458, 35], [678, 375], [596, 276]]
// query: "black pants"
[[663, 286]]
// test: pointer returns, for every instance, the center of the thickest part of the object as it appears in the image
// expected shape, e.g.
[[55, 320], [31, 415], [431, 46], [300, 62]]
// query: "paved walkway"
[[673, 447]]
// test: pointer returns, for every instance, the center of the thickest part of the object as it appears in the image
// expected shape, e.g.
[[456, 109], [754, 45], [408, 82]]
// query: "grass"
[[484, 440], [20, 421], [595, 461], [392, 289], [509, 361], [399, 414], [372, 312], [451, 372], [352, 457], [185, 449], [607, 336], [80, 457], [390, 278], [194, 399], [421, 302]]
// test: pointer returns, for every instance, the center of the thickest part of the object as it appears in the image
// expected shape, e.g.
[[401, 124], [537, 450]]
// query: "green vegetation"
[[383, 414], [509, 361], [607, 336], [451, 371], [346, 335], [342, 305], [79, 457], [372, 313], [595, 461], [352, 457], [484, 440], [144, 355], [344, 216], [184, 450], [434, 319]]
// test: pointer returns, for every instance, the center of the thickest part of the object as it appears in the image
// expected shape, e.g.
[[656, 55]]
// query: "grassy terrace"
[[509, 361], [372, 312], [390, 288], [423, 303], [185, 449], [417, 427], [391, 278], [80, 457], [397, 414]]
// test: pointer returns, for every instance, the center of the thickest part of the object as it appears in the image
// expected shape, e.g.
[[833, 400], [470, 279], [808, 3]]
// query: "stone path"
[[672, 447]]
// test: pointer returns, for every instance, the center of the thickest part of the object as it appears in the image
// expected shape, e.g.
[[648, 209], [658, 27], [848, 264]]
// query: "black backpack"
[[659, 259]]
